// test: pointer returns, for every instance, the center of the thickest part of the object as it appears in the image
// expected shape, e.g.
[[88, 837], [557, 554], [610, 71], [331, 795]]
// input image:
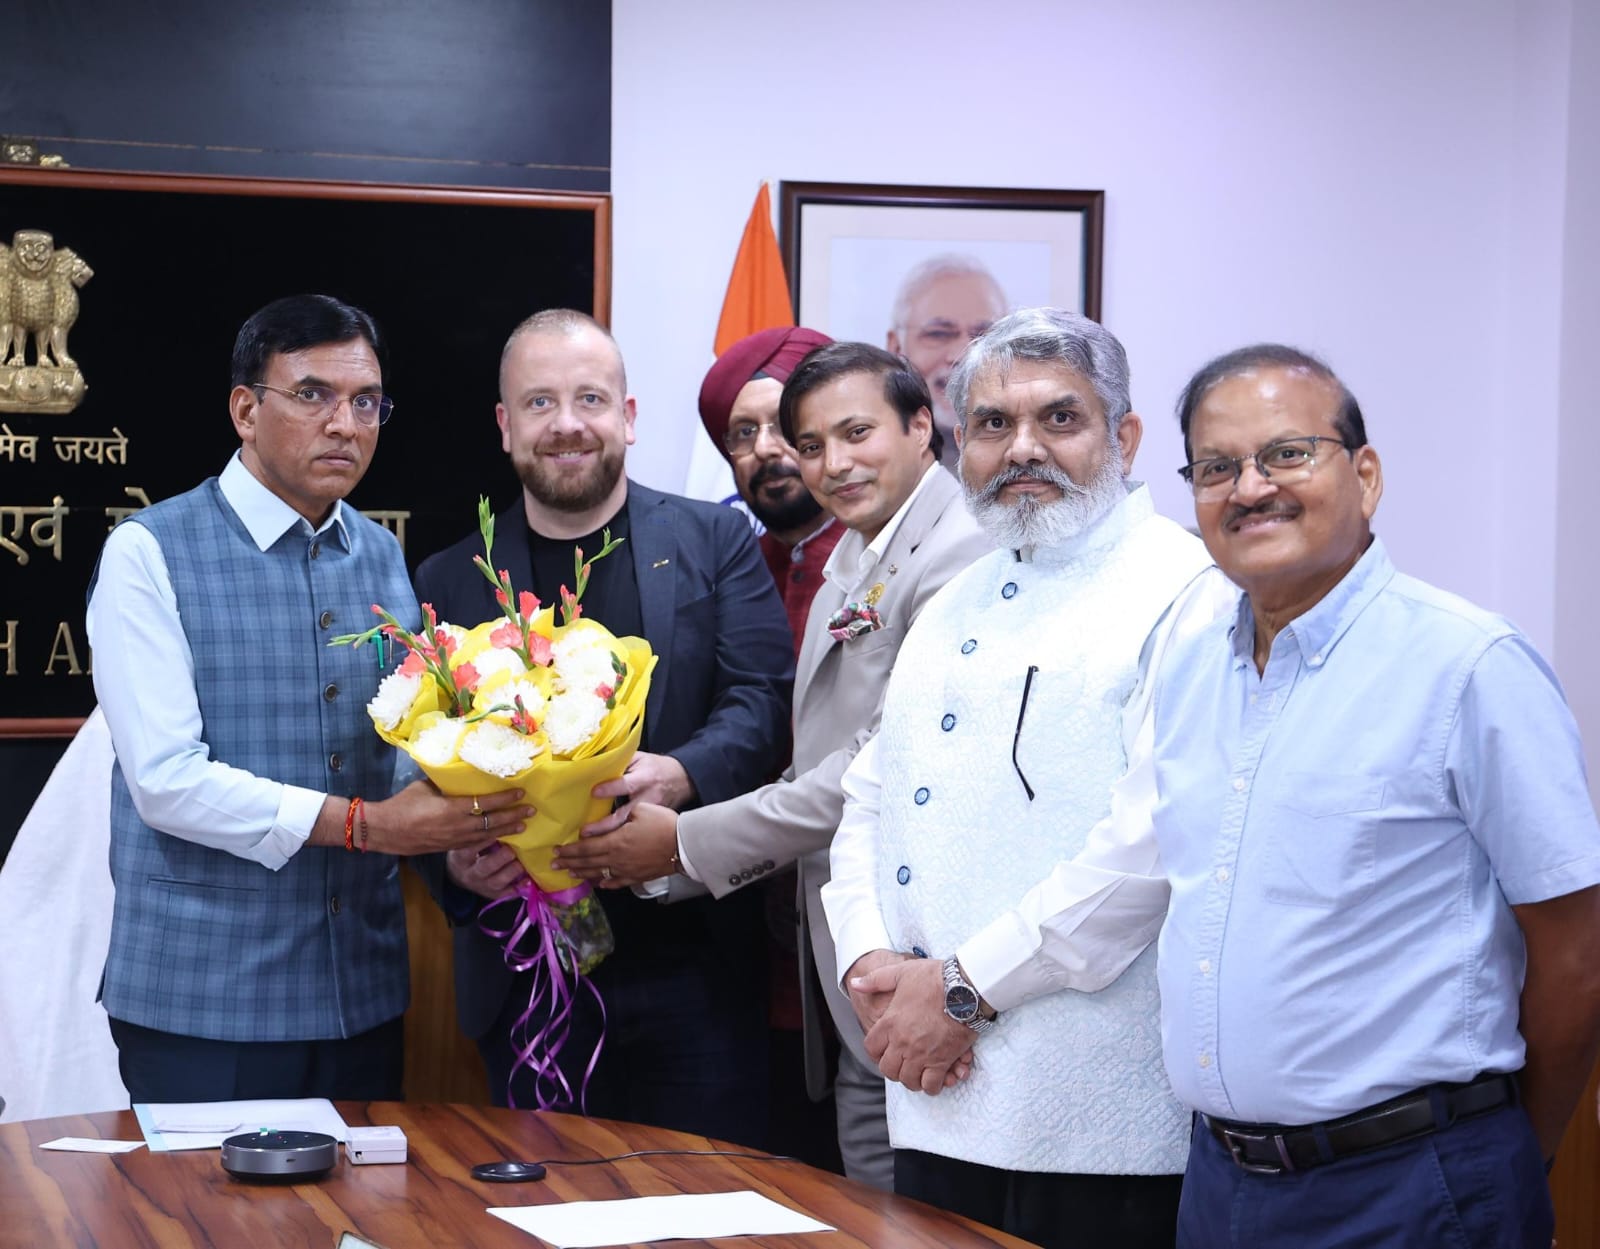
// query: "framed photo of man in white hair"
[[924, 270]]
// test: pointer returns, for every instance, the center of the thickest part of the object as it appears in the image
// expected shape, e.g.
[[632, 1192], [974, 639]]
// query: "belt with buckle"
[[1272, 1149]]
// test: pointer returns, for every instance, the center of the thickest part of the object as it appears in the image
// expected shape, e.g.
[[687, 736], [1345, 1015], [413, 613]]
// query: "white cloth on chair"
[[56, 1054]]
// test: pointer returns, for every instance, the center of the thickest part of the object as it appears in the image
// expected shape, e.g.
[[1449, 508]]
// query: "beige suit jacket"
[[838, 698]]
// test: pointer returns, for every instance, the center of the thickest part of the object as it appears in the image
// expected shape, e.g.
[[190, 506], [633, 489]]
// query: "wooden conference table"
[[185, 1199]]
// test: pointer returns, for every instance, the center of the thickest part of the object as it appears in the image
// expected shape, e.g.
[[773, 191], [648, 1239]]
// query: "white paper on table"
[[91, 1145], [686, 1216], [205, 1125]]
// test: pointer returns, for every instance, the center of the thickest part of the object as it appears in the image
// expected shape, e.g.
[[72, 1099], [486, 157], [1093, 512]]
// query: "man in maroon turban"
[[739, 407]]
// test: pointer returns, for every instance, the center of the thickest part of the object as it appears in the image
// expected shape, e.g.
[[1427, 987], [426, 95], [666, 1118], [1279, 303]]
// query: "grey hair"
[[937, 267], [1052, 335]]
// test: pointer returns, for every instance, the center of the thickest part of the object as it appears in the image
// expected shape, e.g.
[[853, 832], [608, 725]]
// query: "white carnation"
[[498, 750], [572, 719], [498, 659], [436, 744], [533, 700], [582, 667], [395, 695]]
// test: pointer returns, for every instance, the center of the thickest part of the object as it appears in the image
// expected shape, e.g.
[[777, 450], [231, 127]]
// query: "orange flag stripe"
[[758, 291]]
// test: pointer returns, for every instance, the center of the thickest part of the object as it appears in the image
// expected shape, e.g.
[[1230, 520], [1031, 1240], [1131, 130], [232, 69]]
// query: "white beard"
[[1030, 522]]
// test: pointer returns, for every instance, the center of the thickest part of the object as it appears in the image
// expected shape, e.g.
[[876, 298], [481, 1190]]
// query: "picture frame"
[[921, 270], [179, 261]]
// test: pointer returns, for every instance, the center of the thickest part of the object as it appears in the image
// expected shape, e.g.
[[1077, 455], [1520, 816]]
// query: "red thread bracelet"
[[350, 824]]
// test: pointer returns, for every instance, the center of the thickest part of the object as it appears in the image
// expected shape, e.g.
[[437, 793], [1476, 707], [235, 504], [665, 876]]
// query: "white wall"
[[1381, 183], [1576, 566]]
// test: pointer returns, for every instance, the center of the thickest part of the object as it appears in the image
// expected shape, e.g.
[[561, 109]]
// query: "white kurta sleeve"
[[850, 898], [1083, 924], [144, 680]]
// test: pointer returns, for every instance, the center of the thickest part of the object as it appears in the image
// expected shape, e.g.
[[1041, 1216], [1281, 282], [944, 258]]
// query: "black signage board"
[[178, 264]]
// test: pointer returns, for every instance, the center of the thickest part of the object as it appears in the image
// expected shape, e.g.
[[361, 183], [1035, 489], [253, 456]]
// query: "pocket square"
[[854, 619]]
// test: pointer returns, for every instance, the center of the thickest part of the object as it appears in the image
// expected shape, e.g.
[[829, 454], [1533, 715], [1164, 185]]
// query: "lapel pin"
[[661, 563], [874, 594]]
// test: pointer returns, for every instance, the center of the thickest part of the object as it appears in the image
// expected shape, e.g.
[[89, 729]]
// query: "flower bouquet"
[[551, 709]]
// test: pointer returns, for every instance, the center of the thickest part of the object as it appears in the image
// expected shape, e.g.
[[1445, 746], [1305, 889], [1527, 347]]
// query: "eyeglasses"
[[1027, 687], [1286, 461], [319, 403], [742, 436]]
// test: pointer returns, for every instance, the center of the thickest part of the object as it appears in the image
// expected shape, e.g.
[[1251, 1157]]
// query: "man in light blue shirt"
[[1378, 980]]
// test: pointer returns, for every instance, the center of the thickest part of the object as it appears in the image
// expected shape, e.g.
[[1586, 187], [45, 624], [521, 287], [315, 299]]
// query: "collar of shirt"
[[265, 515], [797, 551], [1317, 632], [1107, 529], [853, 560]]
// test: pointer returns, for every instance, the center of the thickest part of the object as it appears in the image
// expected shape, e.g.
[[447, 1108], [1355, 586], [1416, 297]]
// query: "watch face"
[[961, 1003]]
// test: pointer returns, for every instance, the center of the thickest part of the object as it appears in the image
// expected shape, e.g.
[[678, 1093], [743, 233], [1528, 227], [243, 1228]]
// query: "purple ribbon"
[[554, 964]]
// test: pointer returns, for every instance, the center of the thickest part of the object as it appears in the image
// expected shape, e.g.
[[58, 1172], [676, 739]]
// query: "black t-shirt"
[[612, 597]]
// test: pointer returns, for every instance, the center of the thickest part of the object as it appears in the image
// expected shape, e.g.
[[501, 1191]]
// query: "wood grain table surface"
[[184, 1199]]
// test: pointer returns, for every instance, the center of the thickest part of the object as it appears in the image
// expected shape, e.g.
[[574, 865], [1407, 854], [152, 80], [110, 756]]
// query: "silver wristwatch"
[[961, 1000]]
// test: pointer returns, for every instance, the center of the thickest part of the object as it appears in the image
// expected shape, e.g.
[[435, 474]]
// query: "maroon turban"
[[771, 352]]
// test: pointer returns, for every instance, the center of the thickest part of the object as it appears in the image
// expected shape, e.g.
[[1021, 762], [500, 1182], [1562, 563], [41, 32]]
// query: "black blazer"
[[719, 698]]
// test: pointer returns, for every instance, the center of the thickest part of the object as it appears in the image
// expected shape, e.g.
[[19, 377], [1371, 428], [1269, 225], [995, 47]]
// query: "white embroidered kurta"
[[1066, 1082]]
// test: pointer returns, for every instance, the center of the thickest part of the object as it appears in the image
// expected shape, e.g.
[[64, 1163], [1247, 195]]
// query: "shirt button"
[[1315, 660], [903, 875], [970, 645], [325, 619], [1205, 1060], [1222, 875], [921, 796], [1238, 784], [316, 549], [335, 762], [330, 691], [948, 723], [333, 905], [1205, 967], [734, 879], [1009, 590]]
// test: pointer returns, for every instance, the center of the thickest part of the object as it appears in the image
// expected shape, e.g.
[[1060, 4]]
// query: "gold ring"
[[476, 809], [605, 873]]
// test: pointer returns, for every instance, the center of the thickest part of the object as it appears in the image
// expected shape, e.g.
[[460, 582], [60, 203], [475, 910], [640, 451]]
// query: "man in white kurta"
[[1018, 699]]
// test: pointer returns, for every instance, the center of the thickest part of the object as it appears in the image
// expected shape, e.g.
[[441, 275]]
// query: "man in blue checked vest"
[[258, 936]]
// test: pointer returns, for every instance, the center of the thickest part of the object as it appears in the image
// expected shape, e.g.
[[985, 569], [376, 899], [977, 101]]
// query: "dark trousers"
[[685, 1048], [1056, 1211], [1476, 1185], [167, 1067]]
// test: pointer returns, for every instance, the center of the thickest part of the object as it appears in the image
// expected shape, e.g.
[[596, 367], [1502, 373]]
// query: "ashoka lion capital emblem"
[[39, 303]]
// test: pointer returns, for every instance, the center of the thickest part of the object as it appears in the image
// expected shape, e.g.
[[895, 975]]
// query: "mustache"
[[1047, 473], [775, 470], [557, 443], [1267, 507]]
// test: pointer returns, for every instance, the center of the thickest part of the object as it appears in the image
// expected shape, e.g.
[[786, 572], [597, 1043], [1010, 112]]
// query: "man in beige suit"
[[861, 423]]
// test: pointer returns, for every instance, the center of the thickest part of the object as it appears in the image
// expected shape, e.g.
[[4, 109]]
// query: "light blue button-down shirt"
[[1345, 835]]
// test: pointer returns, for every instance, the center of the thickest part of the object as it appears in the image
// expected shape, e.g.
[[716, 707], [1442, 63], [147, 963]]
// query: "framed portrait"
[[923, 270]]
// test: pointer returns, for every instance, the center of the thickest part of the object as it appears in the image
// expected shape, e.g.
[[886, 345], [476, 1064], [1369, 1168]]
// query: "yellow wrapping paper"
[[558, 789]]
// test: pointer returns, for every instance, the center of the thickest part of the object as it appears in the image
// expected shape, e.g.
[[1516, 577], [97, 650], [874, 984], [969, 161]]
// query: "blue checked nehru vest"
[[204, 943]]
